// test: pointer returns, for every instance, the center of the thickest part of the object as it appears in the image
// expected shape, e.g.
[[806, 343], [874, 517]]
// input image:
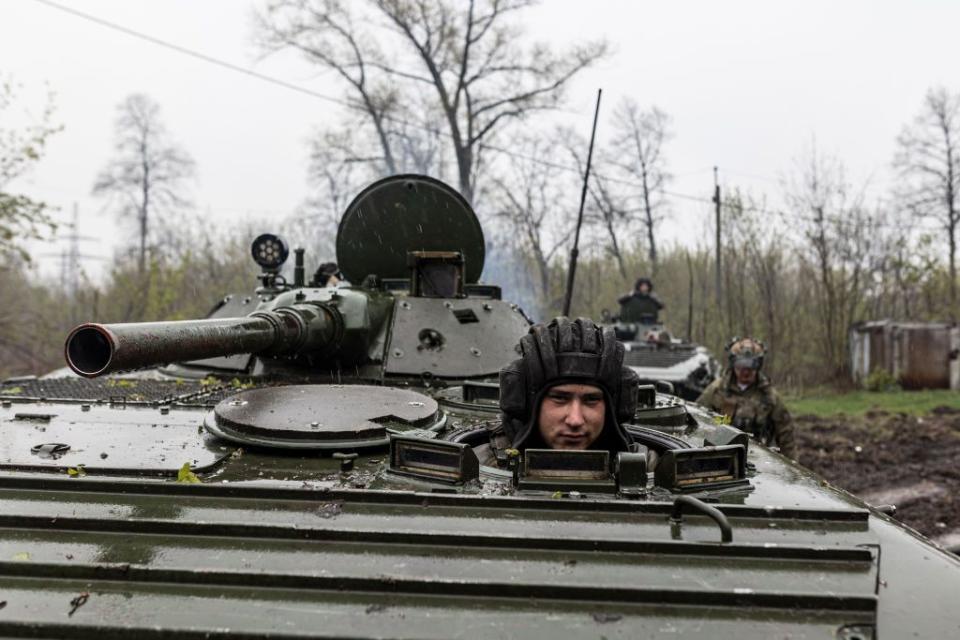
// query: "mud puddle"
[[889, 458]]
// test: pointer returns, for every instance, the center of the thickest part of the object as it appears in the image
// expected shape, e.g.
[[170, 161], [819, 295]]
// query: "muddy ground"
[[893, 458]]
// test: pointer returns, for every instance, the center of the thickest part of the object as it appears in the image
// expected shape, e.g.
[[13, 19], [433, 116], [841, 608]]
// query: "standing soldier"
[[640, 305], [748, 399]]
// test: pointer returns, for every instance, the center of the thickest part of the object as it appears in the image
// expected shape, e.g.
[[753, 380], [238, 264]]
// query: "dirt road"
[[892, 458]]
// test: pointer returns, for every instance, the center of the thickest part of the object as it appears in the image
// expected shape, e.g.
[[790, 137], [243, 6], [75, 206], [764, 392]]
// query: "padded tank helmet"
[[564, 352], [746, 352], [643, 280]]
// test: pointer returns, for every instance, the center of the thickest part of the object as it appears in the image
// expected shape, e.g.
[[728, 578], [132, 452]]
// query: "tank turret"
[[414, 250]]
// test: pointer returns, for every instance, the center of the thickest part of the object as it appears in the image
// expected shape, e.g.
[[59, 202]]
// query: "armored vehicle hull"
[[656, 356], [101, 540]]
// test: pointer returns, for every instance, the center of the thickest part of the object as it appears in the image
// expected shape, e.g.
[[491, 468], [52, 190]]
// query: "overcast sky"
[[748, 85]]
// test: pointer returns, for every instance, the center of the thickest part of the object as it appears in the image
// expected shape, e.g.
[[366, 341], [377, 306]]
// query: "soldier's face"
[[644, 288], [745, 375], [572, 416]]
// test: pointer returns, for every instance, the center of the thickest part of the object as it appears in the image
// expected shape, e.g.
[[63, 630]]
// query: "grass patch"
[[855, 403]]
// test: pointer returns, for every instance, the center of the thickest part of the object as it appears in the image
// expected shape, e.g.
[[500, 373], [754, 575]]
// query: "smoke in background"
[[504, 268]]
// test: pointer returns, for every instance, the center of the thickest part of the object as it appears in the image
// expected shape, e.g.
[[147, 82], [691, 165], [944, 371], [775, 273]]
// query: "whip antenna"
[[574, 252]]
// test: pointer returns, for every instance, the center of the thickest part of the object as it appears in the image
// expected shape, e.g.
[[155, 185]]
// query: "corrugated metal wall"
[[918, 355]]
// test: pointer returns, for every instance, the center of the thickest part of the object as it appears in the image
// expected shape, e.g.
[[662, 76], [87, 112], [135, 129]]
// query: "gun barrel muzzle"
[[96, 349], [93, 349]]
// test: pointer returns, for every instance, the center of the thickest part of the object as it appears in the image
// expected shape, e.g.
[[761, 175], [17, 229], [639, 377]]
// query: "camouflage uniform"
[[757, 409]]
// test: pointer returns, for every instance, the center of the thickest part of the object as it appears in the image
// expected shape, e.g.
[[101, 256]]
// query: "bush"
[[881, 380]]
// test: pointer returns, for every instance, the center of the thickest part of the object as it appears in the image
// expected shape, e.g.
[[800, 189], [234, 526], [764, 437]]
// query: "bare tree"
[[21, 217], [529, 199], [928, 159], [817, 197], [418, 144], [328, 33], [337, 170], [464, 53], [149, 173], [608, 203], [838, 248], [638, 144], [612, 213]]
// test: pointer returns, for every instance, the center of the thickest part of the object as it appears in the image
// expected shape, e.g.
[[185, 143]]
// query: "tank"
[[321, 486], [657, 356]]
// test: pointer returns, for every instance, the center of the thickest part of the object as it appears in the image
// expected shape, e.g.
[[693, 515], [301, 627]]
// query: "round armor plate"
[[406, 213], [321, 416]]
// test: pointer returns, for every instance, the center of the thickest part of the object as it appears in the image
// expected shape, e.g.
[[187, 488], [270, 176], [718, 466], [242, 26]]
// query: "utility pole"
[[73, 260], [689, 335], [716, 203]]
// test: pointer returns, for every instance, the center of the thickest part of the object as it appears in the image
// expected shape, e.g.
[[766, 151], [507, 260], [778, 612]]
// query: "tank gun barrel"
[[93, 350]]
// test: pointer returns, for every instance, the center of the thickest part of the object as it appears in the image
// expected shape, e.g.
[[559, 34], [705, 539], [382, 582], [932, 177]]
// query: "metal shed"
[[920, 355]]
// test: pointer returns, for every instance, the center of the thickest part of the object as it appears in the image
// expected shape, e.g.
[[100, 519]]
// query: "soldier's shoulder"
[[771, 392], [714, 387]]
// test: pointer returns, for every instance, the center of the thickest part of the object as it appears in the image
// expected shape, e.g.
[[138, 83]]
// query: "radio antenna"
[[575, 251]]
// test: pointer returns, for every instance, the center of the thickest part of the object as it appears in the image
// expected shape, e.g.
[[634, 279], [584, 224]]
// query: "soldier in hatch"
[[746, 396], [641, 305], [327, 275], [569, 390]]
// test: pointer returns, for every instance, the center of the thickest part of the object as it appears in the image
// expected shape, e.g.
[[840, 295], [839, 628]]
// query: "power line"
[[298, 88], [432, 130], [338, 101], [191, 53]]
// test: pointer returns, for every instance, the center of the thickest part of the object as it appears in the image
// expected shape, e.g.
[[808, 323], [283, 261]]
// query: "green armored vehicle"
[[324, 464], [653, 352]]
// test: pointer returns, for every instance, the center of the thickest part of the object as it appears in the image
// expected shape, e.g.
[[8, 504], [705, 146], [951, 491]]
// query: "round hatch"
[[321, 416], [406, 213]]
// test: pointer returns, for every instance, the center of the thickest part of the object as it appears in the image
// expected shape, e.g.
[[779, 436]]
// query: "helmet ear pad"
[[628, 394], [515, 402]]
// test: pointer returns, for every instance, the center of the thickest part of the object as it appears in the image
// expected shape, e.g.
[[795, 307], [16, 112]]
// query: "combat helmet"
[[746, 352], [562, 352]]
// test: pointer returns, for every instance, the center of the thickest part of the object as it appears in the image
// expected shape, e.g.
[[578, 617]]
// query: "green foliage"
[[146, 179], [21, 147], [825, 403], [772, 288], [122, 384], [881, 380], [199, 267], [186, 475]]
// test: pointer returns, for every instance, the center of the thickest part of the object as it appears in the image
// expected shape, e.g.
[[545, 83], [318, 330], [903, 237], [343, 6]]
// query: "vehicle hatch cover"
[[321, 416]]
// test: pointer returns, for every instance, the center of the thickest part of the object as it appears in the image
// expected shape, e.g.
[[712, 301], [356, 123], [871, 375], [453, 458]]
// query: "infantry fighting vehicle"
[[326, 482], [657, 356]]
